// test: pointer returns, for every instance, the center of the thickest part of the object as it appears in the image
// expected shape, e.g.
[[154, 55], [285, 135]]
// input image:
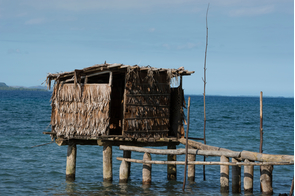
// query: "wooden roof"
[[113, 67]]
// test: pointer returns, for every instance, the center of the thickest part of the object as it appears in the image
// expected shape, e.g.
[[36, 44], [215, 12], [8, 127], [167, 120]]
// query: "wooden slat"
[[140, 118], [146, 131], [181, 151], [136, 95], [147, 105], [203, 162]]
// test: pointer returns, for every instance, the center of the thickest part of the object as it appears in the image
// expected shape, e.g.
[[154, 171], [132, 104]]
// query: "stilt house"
[[117, 100]]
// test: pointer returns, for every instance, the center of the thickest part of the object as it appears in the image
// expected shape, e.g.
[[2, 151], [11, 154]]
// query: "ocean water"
[[232, 123]]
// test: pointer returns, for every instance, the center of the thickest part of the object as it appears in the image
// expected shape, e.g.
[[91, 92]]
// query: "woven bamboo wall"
[[147, 102], [80, 110]]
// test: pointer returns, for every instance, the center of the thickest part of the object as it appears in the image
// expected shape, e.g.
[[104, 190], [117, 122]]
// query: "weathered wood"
[[292, 187], [255, 156], [201, 162], [261, 124], [147, 169], [224, 175], [171, 168], [248, 178], [123, 176], [137, 142], [236, 177], [107, 164], [186, 145], [71, 162], [182, 151], [266, 179], [201, 146], [127, 154], [191, 168]]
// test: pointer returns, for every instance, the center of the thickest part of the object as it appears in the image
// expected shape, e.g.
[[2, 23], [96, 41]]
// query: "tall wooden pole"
[[204, 80], [186, 145], [261, 123], [261, 130]]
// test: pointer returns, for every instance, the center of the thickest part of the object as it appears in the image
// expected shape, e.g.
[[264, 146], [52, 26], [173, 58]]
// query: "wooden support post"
[[224, 175], [266, 179], [236, 178], [171, 169], [123, 176], [292, 187], [248, 178], [127, 154], [71, 162], [191, 168], [107, 164], [147, 169]]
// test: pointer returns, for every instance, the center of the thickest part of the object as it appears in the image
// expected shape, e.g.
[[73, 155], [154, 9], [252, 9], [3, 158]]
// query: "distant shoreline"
[[5, 87], [8, 88]]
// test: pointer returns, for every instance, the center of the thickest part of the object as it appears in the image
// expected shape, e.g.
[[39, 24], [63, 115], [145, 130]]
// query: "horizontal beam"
[[203, 162], [255, 156], [181, 151]]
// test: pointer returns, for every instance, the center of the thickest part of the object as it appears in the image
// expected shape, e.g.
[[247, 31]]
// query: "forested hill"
[[3, 86]]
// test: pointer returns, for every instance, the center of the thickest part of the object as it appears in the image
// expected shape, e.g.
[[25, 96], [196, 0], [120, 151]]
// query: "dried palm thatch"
[[80, 110]]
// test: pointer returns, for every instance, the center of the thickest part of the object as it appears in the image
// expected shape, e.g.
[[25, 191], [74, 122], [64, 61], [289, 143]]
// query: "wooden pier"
[[244, 159]]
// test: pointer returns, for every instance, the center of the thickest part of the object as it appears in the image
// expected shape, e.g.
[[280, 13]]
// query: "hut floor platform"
[[117, 140]]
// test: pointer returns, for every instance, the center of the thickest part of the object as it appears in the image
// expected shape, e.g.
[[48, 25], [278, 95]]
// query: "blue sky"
[[251, 43]]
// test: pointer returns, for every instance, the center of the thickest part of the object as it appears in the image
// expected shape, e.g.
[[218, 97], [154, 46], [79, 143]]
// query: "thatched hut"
[[117, 100]]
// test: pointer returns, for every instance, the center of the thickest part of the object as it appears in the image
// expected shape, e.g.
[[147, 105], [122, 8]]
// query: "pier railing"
[[244, 158]]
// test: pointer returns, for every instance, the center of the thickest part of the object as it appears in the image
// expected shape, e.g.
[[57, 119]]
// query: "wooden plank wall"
[[147, 105]]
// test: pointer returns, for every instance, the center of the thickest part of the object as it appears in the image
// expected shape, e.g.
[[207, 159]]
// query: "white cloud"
[[16, 51], [252, 11], [152, 30], [35, 21], [186, 46]]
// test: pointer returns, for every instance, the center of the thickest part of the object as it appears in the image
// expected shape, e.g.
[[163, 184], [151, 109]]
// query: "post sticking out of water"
[[107, 164], [123, 176], [266, 179], [147, 169], [224, 175], [248, 178], [71, 162], [171, 169], [127, 154], [236, 177], [191, 168], [186, 146]]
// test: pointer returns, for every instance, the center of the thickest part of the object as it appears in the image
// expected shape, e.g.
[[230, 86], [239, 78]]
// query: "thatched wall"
[[80, 109], [147, 102]]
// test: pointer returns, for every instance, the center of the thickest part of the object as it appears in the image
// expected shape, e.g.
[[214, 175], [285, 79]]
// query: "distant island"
[[3, 86]]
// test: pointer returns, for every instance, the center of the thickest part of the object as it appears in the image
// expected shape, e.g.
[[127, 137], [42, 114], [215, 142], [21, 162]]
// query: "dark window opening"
[[116, 105], [99, 79]]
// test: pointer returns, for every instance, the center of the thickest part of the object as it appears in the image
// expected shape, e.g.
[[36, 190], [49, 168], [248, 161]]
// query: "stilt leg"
[[71, 162]]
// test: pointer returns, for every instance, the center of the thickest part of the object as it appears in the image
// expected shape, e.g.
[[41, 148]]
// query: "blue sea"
[[232, 123]]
